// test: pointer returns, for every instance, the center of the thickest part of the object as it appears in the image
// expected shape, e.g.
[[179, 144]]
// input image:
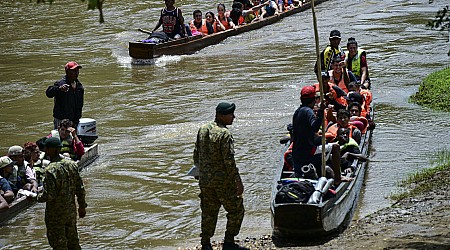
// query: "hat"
[[225, 108], [308, 92], [335, 34], [355, 97], [337, 59], [6, 161], [15, 150], [72, 65], [53, 142]]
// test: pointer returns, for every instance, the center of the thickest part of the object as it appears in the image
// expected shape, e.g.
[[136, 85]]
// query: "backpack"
[[157, 37], [294, 192]]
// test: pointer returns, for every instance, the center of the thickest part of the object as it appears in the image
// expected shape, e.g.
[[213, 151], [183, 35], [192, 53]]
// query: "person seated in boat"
[[200, 26], [72, 145], [215, 23], [33, 156], [6, 169], [355, 117], [236, 16], [270, 9], [172, 21], [223, 19], [357, 63], [305, 126], [8, 173], [343, 121], [333, 49], [333, 95], [24, 176], [367, 101], [339, 74], [349, 151], [285, 5]]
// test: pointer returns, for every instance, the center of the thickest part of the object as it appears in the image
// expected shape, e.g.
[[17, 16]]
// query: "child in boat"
[[349, 150], [172, 21], [343, 121], [200, 26]]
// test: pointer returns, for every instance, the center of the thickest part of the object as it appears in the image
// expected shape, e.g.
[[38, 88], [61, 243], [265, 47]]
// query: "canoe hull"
[[314, 221], [190, 45]]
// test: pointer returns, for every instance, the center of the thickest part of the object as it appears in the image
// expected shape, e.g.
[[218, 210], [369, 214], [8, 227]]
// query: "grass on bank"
[[434, 91], [426, 179]]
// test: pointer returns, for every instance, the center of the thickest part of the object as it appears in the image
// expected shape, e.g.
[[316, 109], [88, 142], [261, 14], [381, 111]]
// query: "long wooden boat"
[[310, 222], [189, 45], [20, 204]]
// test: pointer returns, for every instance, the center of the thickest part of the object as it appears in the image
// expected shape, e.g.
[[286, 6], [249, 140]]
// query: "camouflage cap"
[[6, 161], [15, 150], [53, 142], [225, 108]]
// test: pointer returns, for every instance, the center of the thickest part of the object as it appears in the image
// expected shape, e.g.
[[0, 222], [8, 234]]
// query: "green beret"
[[225, 108], [53, 142]]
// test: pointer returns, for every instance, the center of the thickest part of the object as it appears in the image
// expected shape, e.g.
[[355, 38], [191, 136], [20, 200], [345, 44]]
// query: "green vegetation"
[[427, 179], [434, 91]]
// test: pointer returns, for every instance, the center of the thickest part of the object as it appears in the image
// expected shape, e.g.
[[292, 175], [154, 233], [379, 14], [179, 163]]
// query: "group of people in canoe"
[[346, 109], [241, 12], [46, 170]]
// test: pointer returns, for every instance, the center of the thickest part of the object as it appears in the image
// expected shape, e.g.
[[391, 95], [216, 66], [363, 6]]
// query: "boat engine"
[[87, 131]]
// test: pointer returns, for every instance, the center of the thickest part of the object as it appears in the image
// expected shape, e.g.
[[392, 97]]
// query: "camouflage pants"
[[62, 233], [210, 201]]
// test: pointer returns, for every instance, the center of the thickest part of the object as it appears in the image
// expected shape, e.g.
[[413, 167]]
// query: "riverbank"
[[419, 221], [434, 91]]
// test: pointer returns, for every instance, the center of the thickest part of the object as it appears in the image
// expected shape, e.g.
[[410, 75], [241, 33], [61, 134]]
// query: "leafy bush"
[[434, 91]]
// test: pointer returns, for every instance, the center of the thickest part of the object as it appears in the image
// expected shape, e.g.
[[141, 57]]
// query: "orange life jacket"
[[225, 23], [367, 101], [339, 100], [332, 131], [341, 83], [203, 29], [287, 164]]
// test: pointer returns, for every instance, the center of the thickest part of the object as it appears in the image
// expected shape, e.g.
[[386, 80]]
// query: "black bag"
[[157, 37], [295, 192]]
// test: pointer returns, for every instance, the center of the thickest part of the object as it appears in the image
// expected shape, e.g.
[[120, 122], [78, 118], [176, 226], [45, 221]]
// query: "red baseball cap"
[[308, 92], [72, 65]]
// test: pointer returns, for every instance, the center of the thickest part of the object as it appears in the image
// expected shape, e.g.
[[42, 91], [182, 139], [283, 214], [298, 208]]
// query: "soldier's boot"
[[233, 246], [207, 247]]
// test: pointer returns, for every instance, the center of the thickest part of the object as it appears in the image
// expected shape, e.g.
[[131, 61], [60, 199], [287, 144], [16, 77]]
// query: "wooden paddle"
[[145, 31], [319, 73]]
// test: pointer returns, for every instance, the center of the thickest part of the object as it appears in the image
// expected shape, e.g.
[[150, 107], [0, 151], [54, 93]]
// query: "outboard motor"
[[87, 131]]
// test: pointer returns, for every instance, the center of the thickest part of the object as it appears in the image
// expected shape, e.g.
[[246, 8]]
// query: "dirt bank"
[[420, 222]]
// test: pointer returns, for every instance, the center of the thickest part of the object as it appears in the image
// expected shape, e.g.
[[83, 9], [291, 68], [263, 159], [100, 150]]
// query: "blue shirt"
[[305, 125], [4, 185]]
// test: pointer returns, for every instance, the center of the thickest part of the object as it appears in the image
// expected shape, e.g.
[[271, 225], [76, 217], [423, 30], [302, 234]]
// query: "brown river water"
[[147, 115]]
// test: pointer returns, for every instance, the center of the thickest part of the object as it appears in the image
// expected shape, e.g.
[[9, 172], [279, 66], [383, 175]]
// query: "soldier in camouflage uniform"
[[219, 179], [62, 182]]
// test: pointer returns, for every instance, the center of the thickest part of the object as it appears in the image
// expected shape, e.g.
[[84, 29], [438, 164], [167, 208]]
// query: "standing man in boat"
[[172, 21], [305, 126], [219, 179], [62, 183], [333, 49], [68, 94]]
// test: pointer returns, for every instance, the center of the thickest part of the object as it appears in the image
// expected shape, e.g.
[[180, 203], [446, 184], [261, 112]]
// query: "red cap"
[[308, 92], [72, 65]]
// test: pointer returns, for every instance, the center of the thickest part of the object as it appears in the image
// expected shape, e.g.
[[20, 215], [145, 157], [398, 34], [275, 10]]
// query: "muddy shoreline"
[[419, 222]]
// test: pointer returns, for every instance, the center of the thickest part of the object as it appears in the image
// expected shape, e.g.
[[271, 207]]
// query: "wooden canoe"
[[190, 45], [20, 204], [312, 222]]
